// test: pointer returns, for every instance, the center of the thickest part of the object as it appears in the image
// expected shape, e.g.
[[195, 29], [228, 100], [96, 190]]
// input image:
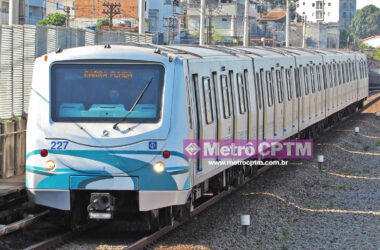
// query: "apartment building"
[[24, 11], [327, 11]]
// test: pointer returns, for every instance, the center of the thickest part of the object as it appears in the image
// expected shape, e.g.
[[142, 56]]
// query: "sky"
[[361, 3]]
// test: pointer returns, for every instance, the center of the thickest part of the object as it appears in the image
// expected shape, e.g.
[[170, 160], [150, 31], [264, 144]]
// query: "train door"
[[298, 93], [335, 88], [324, 95], [305, 87], [267, 76], [259, 103], [239, 89], [290, 109], [206, 111], [312, 94], [192, 119], [319, 92], [279, 102]]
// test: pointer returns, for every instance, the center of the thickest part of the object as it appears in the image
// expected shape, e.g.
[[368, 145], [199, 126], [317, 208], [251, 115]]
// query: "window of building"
[[329, 4], [303, 3], [313, 4]]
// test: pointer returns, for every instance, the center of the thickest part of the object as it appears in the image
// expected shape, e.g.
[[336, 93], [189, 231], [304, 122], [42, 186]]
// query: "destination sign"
[[105, 74]]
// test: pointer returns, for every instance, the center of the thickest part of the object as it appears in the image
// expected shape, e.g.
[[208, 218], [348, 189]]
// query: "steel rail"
[[22, 223]]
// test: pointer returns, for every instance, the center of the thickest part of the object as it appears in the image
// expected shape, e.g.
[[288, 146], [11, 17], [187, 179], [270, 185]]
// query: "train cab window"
[[297, 78], [258, 80], [226, 93], [318, 72], [289, 80], [306, 80], [269, 85], [242, 92], [207, 98], [312, 78], [280, 85]]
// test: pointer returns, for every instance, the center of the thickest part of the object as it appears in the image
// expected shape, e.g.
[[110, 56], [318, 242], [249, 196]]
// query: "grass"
[[331, 203], [328, 184], [285, 233], [307, 203], [377, 143], [353, 171], [366, 148]]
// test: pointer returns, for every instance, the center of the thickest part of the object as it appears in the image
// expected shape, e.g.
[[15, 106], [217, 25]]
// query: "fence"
[[19, 46]]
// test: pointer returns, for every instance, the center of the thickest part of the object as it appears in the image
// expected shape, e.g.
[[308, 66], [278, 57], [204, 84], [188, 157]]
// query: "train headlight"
[[50, 165], [159, 167]]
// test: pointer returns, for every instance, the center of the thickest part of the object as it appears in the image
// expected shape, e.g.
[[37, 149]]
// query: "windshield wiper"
[[134, 105]]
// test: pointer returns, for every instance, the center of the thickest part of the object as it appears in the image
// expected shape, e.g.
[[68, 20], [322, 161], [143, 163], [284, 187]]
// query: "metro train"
[[106, 124]]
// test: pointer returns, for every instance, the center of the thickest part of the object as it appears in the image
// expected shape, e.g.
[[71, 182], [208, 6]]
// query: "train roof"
[[209, 51]]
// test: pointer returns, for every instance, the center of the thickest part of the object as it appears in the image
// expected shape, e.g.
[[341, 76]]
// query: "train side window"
[[241, 93], [344, 76], [188, 101], [280, 85], [335, 75], [339, 74], [225, 96], [330, 76], [269, 84], [312, 78], [318, 72], [258, 90], [349, 71], [365, 66], [353, 71], [289, 80], [324, 76], [297, 81], [306, 80], [207, 97]]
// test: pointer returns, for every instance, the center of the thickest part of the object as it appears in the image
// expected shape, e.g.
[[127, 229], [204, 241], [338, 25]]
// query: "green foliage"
[[366, 22], [102, 22], [56, 19], [377, 57], [345, 35]]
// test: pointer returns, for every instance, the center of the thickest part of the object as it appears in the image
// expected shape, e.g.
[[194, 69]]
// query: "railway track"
[[67, 236]]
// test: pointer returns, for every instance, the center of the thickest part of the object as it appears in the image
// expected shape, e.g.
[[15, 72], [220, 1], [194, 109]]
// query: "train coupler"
[[101, 207]]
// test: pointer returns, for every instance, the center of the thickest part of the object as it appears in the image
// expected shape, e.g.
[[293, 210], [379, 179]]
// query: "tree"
[[102, 22], [56, 19], [366, 22], [345, 35]]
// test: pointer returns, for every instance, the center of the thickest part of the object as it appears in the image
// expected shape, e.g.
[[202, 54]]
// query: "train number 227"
[[59, 145]]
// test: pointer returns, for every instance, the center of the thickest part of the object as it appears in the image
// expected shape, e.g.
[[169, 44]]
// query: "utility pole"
[[246, 24], [112, 10], [67, 10], [141, 17], [287, 27], [209, 27], [13, 12], [169, 28], [202, 23], [304, 32]]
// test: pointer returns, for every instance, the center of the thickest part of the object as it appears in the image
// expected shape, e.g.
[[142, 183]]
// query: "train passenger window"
[[352, 69], [289, 80], [349, 71], [225, 96], [242, 93], [207, 97], [344, 76], [269, 84], [335, 75], [339, 74], [312, 78], [306, 80], [331, 79], [324, 74], [280, 85], [297, 78], [318, 72], [258, 90]]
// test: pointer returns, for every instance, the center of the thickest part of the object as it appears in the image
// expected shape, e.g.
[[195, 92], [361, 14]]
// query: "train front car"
[[102, 140]]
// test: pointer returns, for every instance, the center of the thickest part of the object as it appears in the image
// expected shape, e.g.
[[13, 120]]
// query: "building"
[[327, 11], [272, 26], [25, 11], [87, 12], [372, 41], [158, 14], [227, 18]]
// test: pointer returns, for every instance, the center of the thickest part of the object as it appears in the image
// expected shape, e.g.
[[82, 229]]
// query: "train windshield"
[[106, 92]]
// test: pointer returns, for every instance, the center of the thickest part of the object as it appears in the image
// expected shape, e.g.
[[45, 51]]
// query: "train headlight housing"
[[159, 167], [50, 165]]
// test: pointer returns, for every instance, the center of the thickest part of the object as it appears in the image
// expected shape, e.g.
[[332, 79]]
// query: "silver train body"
[[79, 145]]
